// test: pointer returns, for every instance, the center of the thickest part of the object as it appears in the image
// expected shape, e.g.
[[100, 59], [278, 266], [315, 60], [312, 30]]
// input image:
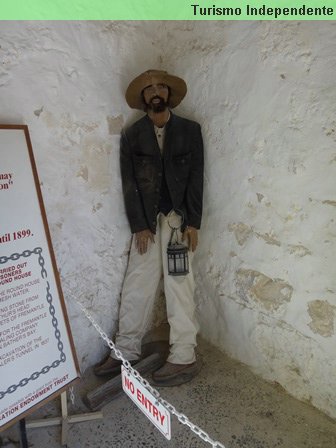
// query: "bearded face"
[[157, 104], [156, 97]]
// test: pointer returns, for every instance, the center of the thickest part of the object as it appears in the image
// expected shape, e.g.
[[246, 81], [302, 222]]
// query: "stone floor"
[[226, 400]]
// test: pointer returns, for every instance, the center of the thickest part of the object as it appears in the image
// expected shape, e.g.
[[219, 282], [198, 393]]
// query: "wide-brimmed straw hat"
[[178, 88]]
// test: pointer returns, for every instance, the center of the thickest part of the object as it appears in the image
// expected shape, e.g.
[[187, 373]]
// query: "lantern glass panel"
[[177, 259]]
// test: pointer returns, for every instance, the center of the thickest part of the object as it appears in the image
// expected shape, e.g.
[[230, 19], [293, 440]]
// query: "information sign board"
[[37, 356]]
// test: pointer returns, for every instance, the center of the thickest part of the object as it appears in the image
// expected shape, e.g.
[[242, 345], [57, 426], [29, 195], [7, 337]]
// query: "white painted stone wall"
[[265, 95]]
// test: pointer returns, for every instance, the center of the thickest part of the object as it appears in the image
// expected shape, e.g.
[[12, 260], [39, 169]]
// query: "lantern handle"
[[173, 230]]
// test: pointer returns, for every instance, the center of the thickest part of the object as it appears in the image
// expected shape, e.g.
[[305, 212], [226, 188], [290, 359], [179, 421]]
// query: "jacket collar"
[[152, 140]]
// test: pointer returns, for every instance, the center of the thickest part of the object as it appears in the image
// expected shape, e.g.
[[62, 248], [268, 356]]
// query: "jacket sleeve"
[[194, 191], [133, 202]]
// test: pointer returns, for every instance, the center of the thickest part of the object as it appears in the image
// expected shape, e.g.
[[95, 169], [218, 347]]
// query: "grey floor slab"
[[226, 400]]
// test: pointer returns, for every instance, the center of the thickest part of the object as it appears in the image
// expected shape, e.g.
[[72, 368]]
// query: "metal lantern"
[[178, 261]]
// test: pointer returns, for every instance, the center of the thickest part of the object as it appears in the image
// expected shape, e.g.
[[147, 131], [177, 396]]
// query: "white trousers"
[[139, 291]]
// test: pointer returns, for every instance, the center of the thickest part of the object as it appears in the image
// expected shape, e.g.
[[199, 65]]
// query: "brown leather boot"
[[175, 374], [109, 366]]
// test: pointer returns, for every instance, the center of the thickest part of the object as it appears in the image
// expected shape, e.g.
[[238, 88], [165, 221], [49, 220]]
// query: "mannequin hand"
[[141, 240], [191, 235]]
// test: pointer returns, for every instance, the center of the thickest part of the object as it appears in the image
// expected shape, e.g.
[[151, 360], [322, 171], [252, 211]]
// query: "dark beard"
[[157, 107]]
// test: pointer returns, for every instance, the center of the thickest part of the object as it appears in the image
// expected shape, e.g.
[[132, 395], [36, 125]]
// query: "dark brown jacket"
[[142, 168]]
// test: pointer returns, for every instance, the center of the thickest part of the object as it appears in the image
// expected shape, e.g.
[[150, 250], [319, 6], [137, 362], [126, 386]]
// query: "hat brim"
[[177, 86]]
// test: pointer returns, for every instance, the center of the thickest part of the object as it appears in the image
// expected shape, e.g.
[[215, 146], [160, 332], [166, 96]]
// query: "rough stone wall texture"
[[66, 81], [265, 95]]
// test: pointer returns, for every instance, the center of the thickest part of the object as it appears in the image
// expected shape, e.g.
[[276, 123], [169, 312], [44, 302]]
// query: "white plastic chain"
[[72, 395], [181, 417]]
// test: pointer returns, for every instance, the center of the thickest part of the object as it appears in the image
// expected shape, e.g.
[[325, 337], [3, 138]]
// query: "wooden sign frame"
[[46, 378]]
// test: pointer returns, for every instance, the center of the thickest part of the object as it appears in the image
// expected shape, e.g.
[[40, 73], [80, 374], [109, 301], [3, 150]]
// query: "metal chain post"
[[181, 417]]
